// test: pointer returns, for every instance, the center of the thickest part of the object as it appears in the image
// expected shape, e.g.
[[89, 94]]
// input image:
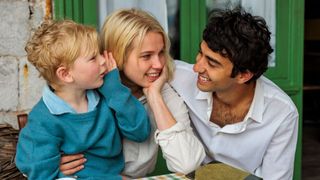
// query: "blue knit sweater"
[[97, 134]]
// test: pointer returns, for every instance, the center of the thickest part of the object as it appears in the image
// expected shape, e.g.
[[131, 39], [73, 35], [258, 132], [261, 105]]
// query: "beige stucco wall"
[[20, 85]]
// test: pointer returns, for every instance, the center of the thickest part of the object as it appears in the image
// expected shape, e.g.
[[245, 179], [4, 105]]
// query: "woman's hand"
[[71, 164], [157, 85], [110, 61], [162, 114]]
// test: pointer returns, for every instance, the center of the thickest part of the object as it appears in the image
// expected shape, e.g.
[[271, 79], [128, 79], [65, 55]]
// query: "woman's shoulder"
[[168, 92], [172, 99]]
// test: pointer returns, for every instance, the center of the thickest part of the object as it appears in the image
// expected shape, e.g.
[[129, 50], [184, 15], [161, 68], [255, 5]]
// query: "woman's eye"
[[146, 56], [161, 53]]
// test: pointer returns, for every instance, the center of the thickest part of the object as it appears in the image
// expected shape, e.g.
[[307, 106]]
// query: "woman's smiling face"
[[144, 64]]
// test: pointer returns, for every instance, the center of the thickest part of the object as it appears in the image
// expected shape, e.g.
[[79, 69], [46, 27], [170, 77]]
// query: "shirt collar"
[[256, 108], [255, 111], [205, 96], [58, 106], [254, 114]]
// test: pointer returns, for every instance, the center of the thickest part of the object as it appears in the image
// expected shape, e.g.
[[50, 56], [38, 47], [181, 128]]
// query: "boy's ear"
[[243, 77], [63, 74]]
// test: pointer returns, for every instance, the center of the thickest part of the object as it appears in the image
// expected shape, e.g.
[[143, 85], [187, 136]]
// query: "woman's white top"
[[181, 149]]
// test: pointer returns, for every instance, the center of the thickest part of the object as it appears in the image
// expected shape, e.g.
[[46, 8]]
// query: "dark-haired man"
[[242, 118]]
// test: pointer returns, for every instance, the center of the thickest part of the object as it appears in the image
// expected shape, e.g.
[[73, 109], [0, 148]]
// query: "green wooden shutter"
[[81, 11], [192, 22]]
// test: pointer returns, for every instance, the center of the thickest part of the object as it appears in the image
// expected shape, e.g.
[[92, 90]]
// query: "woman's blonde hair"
[[123, 27], [60, 43]]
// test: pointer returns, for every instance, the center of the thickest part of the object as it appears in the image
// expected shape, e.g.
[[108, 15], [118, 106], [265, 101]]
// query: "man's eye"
[[212, 64]]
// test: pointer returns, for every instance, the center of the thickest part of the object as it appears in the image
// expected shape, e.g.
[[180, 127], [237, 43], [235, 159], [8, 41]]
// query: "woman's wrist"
[[154, 97]]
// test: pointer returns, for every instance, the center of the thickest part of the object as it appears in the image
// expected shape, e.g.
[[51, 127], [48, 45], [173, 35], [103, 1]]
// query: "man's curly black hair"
[[241, 37]]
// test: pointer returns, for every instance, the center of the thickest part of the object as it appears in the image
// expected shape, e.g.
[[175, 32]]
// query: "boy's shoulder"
[[39, 112], [39, 106], [38, 119]]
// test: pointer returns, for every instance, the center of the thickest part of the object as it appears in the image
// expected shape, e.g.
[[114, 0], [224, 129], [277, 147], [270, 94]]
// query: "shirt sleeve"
[[130, 114], [181, 148], [278, 162], [38, 154]]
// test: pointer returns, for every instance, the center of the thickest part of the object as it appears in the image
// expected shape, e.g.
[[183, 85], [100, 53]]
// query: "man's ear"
[[243, 77], [64, 75]]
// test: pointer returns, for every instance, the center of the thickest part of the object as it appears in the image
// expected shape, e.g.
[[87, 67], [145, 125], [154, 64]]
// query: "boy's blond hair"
[[60, 43], [123, 27]]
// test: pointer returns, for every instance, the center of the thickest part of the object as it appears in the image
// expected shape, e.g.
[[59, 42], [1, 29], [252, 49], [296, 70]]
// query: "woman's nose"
[[156, 63]]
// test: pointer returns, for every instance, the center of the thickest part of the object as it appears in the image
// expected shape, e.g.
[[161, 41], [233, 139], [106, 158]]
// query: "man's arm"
[[278, 162]]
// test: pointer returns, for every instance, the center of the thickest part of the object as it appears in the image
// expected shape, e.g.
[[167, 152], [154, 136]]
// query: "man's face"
[[214, 71]]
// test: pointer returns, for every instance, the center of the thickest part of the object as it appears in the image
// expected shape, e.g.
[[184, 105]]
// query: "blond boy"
[[78, 112]]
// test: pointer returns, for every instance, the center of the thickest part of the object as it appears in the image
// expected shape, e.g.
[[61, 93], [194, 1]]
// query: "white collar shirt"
[[263, 143]]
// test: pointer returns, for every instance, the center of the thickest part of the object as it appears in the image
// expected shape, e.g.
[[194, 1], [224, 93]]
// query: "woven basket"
[[8, 142]]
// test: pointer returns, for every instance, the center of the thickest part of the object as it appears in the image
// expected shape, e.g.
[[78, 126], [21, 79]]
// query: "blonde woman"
[[141, 49]]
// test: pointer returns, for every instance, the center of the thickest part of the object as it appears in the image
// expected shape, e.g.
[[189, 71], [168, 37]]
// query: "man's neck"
[[232, 107], [237, 95]]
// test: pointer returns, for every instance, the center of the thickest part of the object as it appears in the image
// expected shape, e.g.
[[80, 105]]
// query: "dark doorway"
[[311, 93]]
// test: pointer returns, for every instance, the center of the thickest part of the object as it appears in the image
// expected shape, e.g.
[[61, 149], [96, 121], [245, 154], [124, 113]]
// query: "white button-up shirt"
[[263, 144]]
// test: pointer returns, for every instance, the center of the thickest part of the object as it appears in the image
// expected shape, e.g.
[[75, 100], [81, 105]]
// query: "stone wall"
[[20, 85]]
